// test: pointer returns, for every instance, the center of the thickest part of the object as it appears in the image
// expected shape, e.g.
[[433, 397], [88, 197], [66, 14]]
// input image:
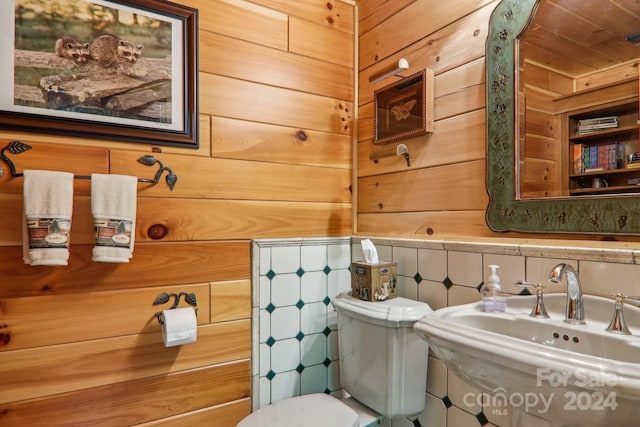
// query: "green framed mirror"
[[602, 214]]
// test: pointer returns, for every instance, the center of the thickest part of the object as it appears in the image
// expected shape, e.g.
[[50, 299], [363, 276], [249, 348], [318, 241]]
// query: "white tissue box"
[[374, 282]]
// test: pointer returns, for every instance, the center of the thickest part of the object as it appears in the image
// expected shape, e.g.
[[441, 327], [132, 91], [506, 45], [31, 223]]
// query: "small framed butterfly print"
[[404, 109]]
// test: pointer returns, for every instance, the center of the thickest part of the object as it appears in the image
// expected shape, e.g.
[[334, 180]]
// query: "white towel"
[[48, 206], [113, 205]]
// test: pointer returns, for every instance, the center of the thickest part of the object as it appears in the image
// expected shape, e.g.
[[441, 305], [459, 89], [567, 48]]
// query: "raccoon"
[[68, 47], [107, 50]]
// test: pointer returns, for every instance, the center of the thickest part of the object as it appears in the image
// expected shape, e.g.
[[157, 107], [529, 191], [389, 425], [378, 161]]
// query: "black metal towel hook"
[[17, 147]]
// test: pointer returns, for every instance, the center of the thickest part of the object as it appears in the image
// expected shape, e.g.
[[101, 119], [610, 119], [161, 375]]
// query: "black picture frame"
[[152, 100]]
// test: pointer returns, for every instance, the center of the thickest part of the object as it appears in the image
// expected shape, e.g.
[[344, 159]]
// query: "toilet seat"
[[310, 410]]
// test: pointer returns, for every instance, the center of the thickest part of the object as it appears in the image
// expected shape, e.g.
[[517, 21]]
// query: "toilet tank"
[[383, 363]]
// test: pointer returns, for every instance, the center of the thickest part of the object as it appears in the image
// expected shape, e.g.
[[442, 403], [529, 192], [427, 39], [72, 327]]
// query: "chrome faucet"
[[574, 312]]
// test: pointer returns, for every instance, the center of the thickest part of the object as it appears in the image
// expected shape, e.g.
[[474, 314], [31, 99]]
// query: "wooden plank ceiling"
[[578, 37]]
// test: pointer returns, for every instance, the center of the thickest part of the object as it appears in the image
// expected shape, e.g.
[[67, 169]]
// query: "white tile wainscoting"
[[294, 327], [295, 341]]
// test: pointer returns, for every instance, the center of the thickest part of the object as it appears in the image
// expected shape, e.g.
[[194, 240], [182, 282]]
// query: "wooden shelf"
[[621, 171], [603, 133], [625, 135], [606, 190]]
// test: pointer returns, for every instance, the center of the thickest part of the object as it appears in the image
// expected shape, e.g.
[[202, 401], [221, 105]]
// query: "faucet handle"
[[619, 297], [538, 310], [525, 284], [634, 300], [618, 324]]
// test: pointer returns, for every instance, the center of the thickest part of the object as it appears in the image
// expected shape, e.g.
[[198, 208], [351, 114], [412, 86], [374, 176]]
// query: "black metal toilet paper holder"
[[190, 298]]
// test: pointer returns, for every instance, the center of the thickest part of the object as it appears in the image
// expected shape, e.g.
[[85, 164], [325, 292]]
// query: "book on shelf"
[[633, 157], [577, 158], [633, 181], [598, 120], [595, 124], [592, 158]]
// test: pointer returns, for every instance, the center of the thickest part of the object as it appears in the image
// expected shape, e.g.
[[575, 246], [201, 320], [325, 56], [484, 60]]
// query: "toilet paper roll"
[[179, 326]]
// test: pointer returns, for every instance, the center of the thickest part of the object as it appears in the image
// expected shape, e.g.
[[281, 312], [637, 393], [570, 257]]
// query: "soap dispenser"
[[492, 299]]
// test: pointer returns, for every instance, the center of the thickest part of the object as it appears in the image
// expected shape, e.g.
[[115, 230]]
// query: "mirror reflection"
[[577, 87]]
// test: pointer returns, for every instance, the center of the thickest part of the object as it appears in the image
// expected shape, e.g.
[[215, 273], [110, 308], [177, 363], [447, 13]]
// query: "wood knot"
[[4, 339], [157, 231], [301, 136]]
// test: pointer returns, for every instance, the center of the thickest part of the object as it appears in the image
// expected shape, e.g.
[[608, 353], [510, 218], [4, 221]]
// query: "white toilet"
[[383, 366]]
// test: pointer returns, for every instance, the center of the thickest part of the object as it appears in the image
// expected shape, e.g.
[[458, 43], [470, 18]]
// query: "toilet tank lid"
[[395, 312]]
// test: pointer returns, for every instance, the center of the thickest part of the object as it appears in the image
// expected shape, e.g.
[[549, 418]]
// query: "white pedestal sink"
[[571, 375]]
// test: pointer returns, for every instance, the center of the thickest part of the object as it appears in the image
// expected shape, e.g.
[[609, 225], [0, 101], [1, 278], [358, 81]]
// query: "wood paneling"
[[236, 139], [624, 89], [239, 59], [460, 78], [469, 99], [268, 104], [373, 12], [153, 264], [337, 49], [453, 187], [242, 20], [80, 345], [230, 300], [454, 140], [335, 14], [69, 145], [608, 76], [385, 39], [55, 157], [427, 224], [540, 157], [541, 123], [208, 219], [447, 49], [224, 415], [233, 219], [88, 316], [442, 192], [55, 369], [12, 207], [241, 180], [579, 37], [542, 78], [135, 401]]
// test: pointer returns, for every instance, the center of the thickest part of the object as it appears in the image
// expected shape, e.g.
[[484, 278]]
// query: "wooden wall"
[[541, 159], [443, 191], [80, 345]]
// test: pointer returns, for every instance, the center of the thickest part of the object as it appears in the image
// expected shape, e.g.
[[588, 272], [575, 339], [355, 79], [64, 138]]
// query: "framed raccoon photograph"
[[124, 70]]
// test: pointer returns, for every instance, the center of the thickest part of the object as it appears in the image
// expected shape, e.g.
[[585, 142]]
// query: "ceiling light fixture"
[[633, 38]]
